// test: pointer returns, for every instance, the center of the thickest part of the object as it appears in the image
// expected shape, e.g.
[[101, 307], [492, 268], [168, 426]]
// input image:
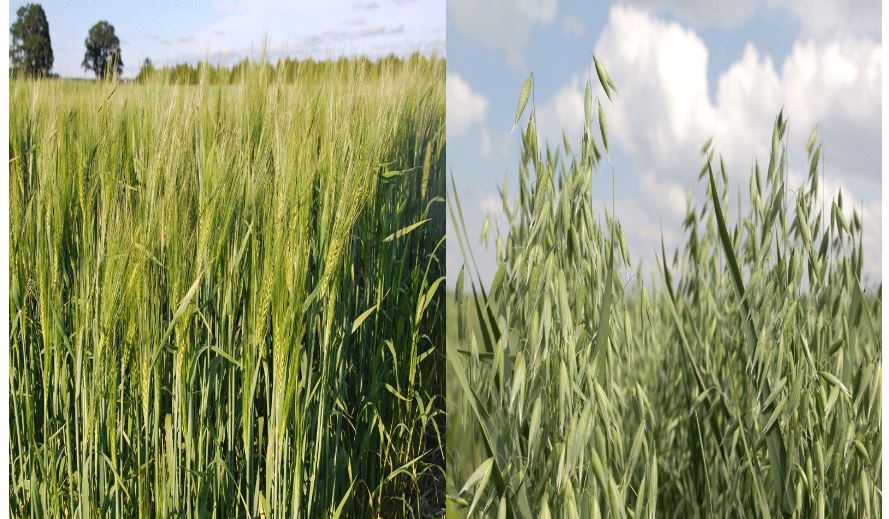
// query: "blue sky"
[[685, 70], [225, 31]]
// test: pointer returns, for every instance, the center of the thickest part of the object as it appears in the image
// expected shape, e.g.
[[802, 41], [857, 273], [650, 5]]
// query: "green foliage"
[[146, 71], [102, 51], [285, 70], [191, 271], [742, 380], [30, 48]]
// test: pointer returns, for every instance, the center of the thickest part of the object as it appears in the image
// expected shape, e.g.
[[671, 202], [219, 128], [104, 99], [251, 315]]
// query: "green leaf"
[[401, 232], [339, 508], [426, 298], [364, 315], [534, 424], [734, 269], [501, 508], [481, 475]]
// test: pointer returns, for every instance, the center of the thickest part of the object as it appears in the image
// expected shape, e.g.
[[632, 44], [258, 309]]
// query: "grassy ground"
[[225, 299], [742, 379]]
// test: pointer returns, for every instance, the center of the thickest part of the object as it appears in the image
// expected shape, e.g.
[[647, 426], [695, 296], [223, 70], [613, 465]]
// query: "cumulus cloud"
[[665, 112], [816, 17], [837, 84], [563, 112], [502, 24], [821, 17], [703, 12], [465, 107]]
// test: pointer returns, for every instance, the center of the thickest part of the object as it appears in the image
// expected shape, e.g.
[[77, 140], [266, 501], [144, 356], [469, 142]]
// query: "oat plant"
[[741, 378]]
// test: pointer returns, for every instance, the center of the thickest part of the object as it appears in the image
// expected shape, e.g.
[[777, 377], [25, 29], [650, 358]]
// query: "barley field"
[[226, 298], [741, 377]]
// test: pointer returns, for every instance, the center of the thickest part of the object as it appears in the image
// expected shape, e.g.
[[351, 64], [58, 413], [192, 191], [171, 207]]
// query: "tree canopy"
[[146, 71], [30, 51], [102, 50]]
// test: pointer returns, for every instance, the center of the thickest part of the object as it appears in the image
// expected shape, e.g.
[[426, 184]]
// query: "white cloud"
[[822, 17], [242, 28], [502, 24], [872, 222], [487, 145], [543, 11], [816, 17], [703, 12], [490, 205], [664, 111], [564, 112], [464, 106], [667, 195], [644, 230], [572, 26], [837, 84]]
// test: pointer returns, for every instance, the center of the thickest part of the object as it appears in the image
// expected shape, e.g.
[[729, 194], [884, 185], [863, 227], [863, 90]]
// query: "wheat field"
[[225, 297]]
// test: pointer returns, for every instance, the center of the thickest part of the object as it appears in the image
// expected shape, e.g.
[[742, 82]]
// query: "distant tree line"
[[285, 69], [30, 48]]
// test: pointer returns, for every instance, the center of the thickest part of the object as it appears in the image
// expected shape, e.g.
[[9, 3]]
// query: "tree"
[[146, 71], [102, 50], [30, 51]]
